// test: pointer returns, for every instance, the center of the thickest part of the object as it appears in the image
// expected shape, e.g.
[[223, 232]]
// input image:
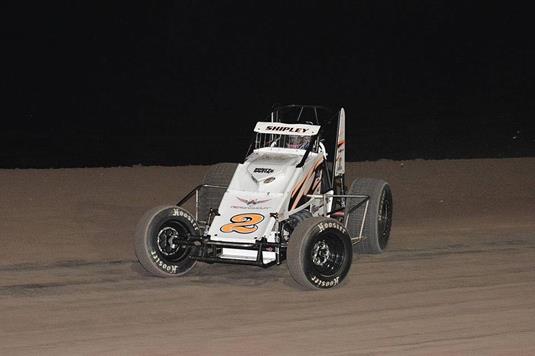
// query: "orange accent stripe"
[[312, 170], [303, 186], [298, 185], [316, 185]]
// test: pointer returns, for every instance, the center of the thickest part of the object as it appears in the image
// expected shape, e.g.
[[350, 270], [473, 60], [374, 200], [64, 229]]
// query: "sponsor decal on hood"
[[252, 201], [251, 204], [263, 170]]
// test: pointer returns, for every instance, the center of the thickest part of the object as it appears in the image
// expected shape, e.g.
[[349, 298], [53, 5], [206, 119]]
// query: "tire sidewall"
[[149, 255], [384, 190], [331, 229], [371, 225]]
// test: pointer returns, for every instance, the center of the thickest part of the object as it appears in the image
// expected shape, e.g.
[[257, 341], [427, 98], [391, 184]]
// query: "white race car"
[[287, 201]]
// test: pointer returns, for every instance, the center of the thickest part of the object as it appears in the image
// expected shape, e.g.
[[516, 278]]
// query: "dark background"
[[183, 82]]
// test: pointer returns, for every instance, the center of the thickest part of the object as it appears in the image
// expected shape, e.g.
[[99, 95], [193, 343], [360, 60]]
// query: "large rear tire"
[[376, 231], [158, 236], [319, 253], [219, 174]]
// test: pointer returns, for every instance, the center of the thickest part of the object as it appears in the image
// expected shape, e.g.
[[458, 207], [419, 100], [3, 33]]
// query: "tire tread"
[[373, 188]]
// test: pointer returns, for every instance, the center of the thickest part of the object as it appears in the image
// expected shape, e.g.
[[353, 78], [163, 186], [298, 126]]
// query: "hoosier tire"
[[319, 253], [218, 174], [157, 244], [376, 231]]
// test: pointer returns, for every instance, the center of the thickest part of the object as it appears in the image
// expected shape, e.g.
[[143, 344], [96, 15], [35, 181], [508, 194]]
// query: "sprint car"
[[288, 201]]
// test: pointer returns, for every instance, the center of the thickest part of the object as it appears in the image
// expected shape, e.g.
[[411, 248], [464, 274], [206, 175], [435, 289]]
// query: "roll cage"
[[300, 114], [296, 113]]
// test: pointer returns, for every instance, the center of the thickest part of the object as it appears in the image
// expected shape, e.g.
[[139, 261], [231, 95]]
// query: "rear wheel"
[[209, 198], [158, 237], [319, 253], [376, 229]]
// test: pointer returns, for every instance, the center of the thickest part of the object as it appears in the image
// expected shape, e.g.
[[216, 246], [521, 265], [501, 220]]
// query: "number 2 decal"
[[243, 223]]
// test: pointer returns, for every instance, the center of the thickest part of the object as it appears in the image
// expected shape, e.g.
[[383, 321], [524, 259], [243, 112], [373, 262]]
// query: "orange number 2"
[[243, 223]]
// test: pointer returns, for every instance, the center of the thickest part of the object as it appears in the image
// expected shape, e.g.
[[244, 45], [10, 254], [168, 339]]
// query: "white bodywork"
[[269, 186]]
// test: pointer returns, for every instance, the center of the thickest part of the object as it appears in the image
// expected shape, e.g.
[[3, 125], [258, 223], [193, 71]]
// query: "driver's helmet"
[[295, 141]]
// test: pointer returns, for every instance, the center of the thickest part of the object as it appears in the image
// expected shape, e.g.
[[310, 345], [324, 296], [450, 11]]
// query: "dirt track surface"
[[458, 277]]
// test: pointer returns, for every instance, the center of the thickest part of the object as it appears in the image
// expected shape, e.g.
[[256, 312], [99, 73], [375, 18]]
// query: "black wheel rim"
[[384, 218], [327, 254], [167, 241]]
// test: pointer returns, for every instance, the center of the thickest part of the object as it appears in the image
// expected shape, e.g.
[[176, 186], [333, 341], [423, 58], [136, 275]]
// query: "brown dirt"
[[458, 277]]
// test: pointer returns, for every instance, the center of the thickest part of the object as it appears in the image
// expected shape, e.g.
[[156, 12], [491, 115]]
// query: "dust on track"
[[458, 276], [455, 298]]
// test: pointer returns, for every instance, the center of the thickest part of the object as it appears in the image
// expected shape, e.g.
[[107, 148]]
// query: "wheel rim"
[[167, 242], [327, 255], [384, 219]]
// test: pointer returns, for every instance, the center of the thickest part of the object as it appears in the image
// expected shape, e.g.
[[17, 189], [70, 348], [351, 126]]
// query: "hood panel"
[[265, 172], [261, 167]]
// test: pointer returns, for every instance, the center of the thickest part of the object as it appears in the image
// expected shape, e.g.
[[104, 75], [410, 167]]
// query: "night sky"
[[184, 82]]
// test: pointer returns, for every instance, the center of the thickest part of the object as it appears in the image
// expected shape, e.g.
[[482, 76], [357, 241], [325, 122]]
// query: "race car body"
[[285, 201]]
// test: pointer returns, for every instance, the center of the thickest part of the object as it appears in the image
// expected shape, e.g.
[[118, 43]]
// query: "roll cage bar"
[[279, 110], [325, 120]]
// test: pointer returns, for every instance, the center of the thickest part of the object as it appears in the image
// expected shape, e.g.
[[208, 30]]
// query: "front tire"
[[319, 253], [158, 236]]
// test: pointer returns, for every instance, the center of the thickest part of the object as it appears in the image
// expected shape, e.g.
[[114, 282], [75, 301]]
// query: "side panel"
[[308, 182]]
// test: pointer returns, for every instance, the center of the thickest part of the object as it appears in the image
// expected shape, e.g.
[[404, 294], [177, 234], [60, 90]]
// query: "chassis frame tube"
[[365, 200]]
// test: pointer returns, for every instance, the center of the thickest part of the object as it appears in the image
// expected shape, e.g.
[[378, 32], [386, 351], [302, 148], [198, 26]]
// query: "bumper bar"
[[209, 251]]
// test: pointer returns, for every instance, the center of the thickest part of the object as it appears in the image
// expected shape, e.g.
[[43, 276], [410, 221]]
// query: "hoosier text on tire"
[[158, 236], [319, 253]]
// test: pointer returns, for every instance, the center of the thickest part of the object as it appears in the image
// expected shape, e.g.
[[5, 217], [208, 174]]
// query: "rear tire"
[[376, 231], [157, 241], [209, 198], [319, 253]]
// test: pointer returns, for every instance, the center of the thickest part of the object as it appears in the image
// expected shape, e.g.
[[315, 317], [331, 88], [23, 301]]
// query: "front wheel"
[[158, 237], [319, 253]]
